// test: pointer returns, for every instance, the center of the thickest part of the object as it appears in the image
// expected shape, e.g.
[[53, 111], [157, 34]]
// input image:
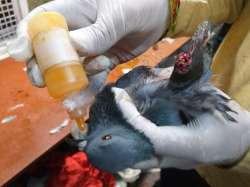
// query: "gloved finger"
[[20, 48], [78, 13], [90, 41], [125, 104], [121, 95], [108, 29], [97, 81], [34, 73], [100, 63], [98, 69], [127, 30]]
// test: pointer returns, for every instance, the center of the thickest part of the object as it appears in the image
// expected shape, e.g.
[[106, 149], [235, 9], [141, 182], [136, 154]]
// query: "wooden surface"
[[27, 138]]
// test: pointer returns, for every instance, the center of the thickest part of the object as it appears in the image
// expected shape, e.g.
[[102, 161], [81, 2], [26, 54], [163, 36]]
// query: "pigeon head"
[[112, 144]]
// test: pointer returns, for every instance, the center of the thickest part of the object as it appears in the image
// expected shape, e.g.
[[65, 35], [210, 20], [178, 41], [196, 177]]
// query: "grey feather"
[[113, 144]]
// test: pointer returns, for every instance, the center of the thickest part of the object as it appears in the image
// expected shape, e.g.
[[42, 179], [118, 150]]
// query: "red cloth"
[[76, 171]]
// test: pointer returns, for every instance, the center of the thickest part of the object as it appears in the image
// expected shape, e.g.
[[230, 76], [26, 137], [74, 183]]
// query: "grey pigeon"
[[113, 144]]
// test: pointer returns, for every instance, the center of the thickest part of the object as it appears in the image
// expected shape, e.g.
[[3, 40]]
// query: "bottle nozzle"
[[82, 125]]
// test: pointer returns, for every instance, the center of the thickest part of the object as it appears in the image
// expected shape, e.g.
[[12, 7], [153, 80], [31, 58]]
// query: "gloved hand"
[[121, 28], [208, 139]]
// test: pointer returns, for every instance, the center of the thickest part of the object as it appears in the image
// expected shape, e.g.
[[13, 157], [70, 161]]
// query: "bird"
[[165, 99]]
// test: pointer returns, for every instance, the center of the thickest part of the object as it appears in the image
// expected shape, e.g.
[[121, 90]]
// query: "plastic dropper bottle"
[[57, 59]]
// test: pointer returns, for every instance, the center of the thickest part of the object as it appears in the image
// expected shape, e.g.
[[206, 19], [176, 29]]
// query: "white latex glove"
[[122, 28], [209, 139]]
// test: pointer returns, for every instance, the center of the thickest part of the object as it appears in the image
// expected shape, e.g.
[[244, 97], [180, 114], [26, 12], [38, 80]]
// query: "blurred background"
[[11, 12], [34, 3]]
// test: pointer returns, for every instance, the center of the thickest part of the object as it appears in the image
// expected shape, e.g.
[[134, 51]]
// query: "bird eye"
[[107, 137]]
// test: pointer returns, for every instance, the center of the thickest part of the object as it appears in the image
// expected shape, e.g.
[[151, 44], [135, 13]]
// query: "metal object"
[[11, 12]]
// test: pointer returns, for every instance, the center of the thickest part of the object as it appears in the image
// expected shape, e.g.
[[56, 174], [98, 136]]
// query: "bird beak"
[[80, 144], [79, 137]]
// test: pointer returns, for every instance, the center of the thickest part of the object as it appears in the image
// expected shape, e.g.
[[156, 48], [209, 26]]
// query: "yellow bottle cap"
[[44, 22]]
